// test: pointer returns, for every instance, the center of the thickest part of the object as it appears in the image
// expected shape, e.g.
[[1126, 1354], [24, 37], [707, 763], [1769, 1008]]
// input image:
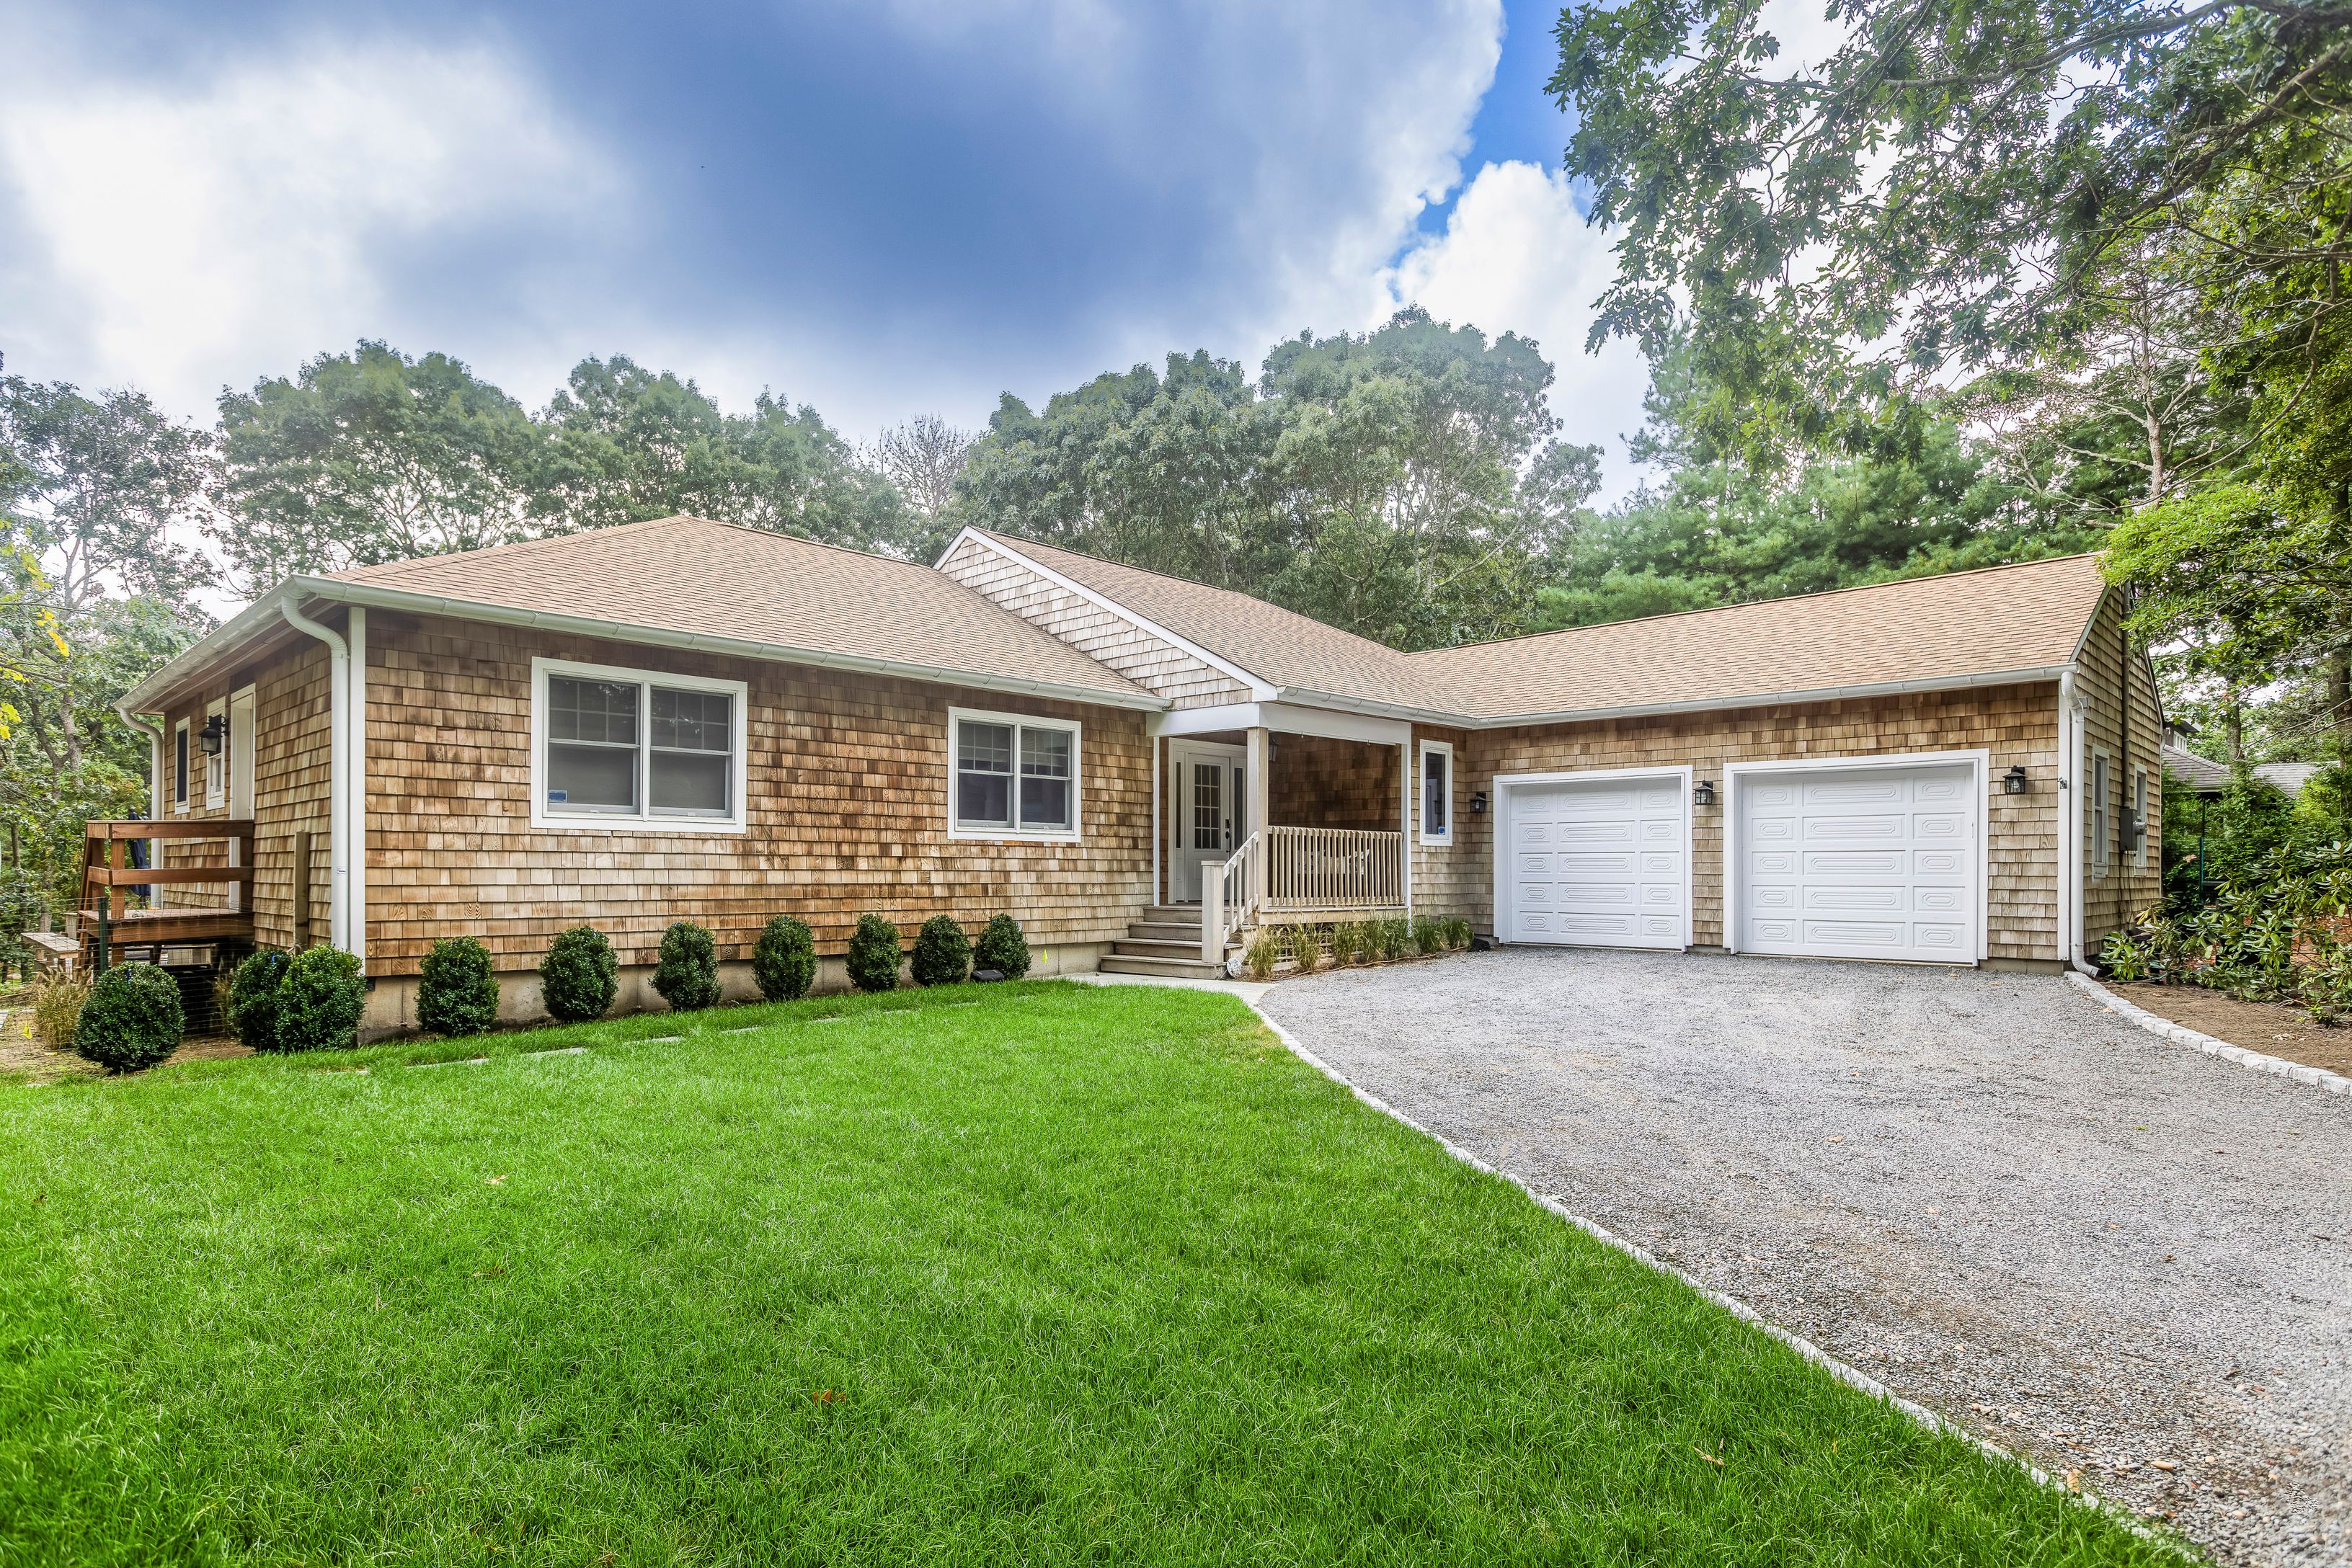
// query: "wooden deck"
[[108, 920]]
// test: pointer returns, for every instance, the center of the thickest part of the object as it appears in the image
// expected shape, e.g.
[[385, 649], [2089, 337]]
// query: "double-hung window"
[[635, 749], [180, 766], [1436, 792], [2139, 819], [1011, 776], [2102, 835], [217, 761]]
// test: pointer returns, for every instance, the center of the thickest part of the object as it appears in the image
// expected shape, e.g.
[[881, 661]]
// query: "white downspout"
[[2070, 824], [355, 797], [338, 774], [155, 760]]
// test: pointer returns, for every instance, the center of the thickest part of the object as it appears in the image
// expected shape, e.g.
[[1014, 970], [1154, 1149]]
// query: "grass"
[[1072, 1275]]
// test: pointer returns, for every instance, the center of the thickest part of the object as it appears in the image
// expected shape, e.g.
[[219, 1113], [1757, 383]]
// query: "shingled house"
[[683, 719]]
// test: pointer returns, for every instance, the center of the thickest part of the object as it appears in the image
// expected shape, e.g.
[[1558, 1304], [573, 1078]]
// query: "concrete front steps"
[[1166, 942]]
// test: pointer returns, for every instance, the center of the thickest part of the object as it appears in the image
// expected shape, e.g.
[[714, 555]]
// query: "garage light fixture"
[[1703, 793], [1478, 804], [213, 735], [2013, 781]]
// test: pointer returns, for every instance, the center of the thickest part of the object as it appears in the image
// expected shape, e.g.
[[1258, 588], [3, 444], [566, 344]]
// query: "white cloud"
[[178, 232], [1517, 256]]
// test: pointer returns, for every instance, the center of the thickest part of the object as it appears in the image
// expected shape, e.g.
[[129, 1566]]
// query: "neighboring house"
[[2203, 776], [683, 719]]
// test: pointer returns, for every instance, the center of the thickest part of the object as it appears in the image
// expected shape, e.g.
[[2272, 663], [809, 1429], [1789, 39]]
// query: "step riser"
[[1154, 931], [1180, 950], [1165, 967]]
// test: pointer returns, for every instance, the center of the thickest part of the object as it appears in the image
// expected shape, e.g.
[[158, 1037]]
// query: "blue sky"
[[883, 207]]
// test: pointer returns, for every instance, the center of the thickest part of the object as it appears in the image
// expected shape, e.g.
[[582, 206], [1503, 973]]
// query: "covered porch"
[[1293, 815]]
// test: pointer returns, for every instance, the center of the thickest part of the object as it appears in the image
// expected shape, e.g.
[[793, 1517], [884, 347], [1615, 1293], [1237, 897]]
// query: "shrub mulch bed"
[[23, 1056], [2274, 1029]]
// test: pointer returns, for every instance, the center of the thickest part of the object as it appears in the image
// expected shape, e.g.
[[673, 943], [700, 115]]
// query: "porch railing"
[[1332, 871], [1230, 893]]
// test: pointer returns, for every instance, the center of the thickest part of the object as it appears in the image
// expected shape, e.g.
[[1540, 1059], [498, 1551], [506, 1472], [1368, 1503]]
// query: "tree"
[[922, 459], [366, 457], [624, 444], [1942, 194]]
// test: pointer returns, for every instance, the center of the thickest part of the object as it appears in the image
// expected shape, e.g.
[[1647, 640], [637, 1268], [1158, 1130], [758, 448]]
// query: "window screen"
[[592, 745], [984, 775], [1436, 794], [692, 766]]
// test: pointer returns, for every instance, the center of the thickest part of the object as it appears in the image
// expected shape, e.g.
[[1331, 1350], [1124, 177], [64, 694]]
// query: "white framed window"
[[635, 750], [2102, 819], [2139, 818], [180, 766], [1436, 792], [216, 762], [1011, 776]]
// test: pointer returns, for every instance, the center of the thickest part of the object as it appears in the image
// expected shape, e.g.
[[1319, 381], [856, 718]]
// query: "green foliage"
[[253, 999], [785, 961], [319, 1001], [1307, 948], [457, 990], [1002, 948], [942, 952], [131, 1018], [873, 955], [579, 976], [1428, 934], [686, 973], [1951, 188], [1347, 943], [1264, 952], [1398, 483], [2277, 930], [1457, 933]]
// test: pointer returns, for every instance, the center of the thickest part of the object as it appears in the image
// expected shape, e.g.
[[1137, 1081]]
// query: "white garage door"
[[1600, 862], [1860, 863]]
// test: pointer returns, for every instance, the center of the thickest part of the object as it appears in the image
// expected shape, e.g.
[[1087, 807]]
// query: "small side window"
[[1436, 792], [180, 766]]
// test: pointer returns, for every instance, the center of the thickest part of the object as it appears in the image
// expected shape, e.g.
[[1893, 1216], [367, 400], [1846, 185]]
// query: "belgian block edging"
[[2181, 1034]]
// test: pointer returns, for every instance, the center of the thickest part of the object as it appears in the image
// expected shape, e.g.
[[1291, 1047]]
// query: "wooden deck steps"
[[1166, 942]]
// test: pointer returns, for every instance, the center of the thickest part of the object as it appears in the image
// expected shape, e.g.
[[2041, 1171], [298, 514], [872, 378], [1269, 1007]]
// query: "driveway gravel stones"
[[2127, 1260]]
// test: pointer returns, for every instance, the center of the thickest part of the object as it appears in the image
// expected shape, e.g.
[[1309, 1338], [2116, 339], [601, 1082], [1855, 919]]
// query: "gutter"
[[256, 618], [2070, 825]]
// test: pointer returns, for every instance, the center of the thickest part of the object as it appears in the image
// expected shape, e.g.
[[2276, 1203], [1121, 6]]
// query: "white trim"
[[1498, 806], [1283, 718], [1074, 833], [289, 594], [1183, 751], [339, 768], [244, 705], [1260, 689], [1428, 748], [355, 798], [1159, 894], [642, 821], [181, 766], [1412, 785], [2140, 796], [1978, 758], [1775, 699], [216, 766]]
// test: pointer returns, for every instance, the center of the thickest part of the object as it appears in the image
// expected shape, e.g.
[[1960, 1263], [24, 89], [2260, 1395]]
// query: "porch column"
[[1157, 767], [1261, 755], [1404, 842]]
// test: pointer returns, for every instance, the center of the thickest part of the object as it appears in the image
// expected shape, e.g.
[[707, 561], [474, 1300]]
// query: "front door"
[[1211, 805]]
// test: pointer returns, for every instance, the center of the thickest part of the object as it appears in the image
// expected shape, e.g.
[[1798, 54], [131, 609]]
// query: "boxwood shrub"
[[455, 991], [132, 1018], [319, 1001], [578, 977], [1002, 948], [942, 952], [873, 959], [253, 999], [785, 962], [686, 974]]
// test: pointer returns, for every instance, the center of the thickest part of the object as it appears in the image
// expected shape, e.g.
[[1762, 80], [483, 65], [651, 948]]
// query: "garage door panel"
[[1871, 863], [1613, 867]]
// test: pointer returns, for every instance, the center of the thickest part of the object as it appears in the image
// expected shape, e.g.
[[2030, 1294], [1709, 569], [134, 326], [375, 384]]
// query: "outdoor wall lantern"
[[1478, 802], [2013, 781], [1703, 793], [214, 732]]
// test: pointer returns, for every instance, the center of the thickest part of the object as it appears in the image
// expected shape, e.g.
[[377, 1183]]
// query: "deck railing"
[[1231, 891], [1332, 871], [108, 925]]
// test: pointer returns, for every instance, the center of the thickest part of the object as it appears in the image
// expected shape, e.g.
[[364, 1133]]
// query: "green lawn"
[[1069, 1275]]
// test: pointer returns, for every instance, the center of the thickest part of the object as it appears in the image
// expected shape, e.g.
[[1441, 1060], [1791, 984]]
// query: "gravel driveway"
[[1989, 1192]]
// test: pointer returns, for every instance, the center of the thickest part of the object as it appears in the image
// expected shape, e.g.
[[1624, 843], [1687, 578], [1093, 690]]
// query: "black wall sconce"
[[213, 735], [1478, 802], [2013, 781], [1703, 793]]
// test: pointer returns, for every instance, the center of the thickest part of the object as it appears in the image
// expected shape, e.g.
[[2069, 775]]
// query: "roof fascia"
[[1776, 699], [336, 591], [1261, 689], [255, 619]]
